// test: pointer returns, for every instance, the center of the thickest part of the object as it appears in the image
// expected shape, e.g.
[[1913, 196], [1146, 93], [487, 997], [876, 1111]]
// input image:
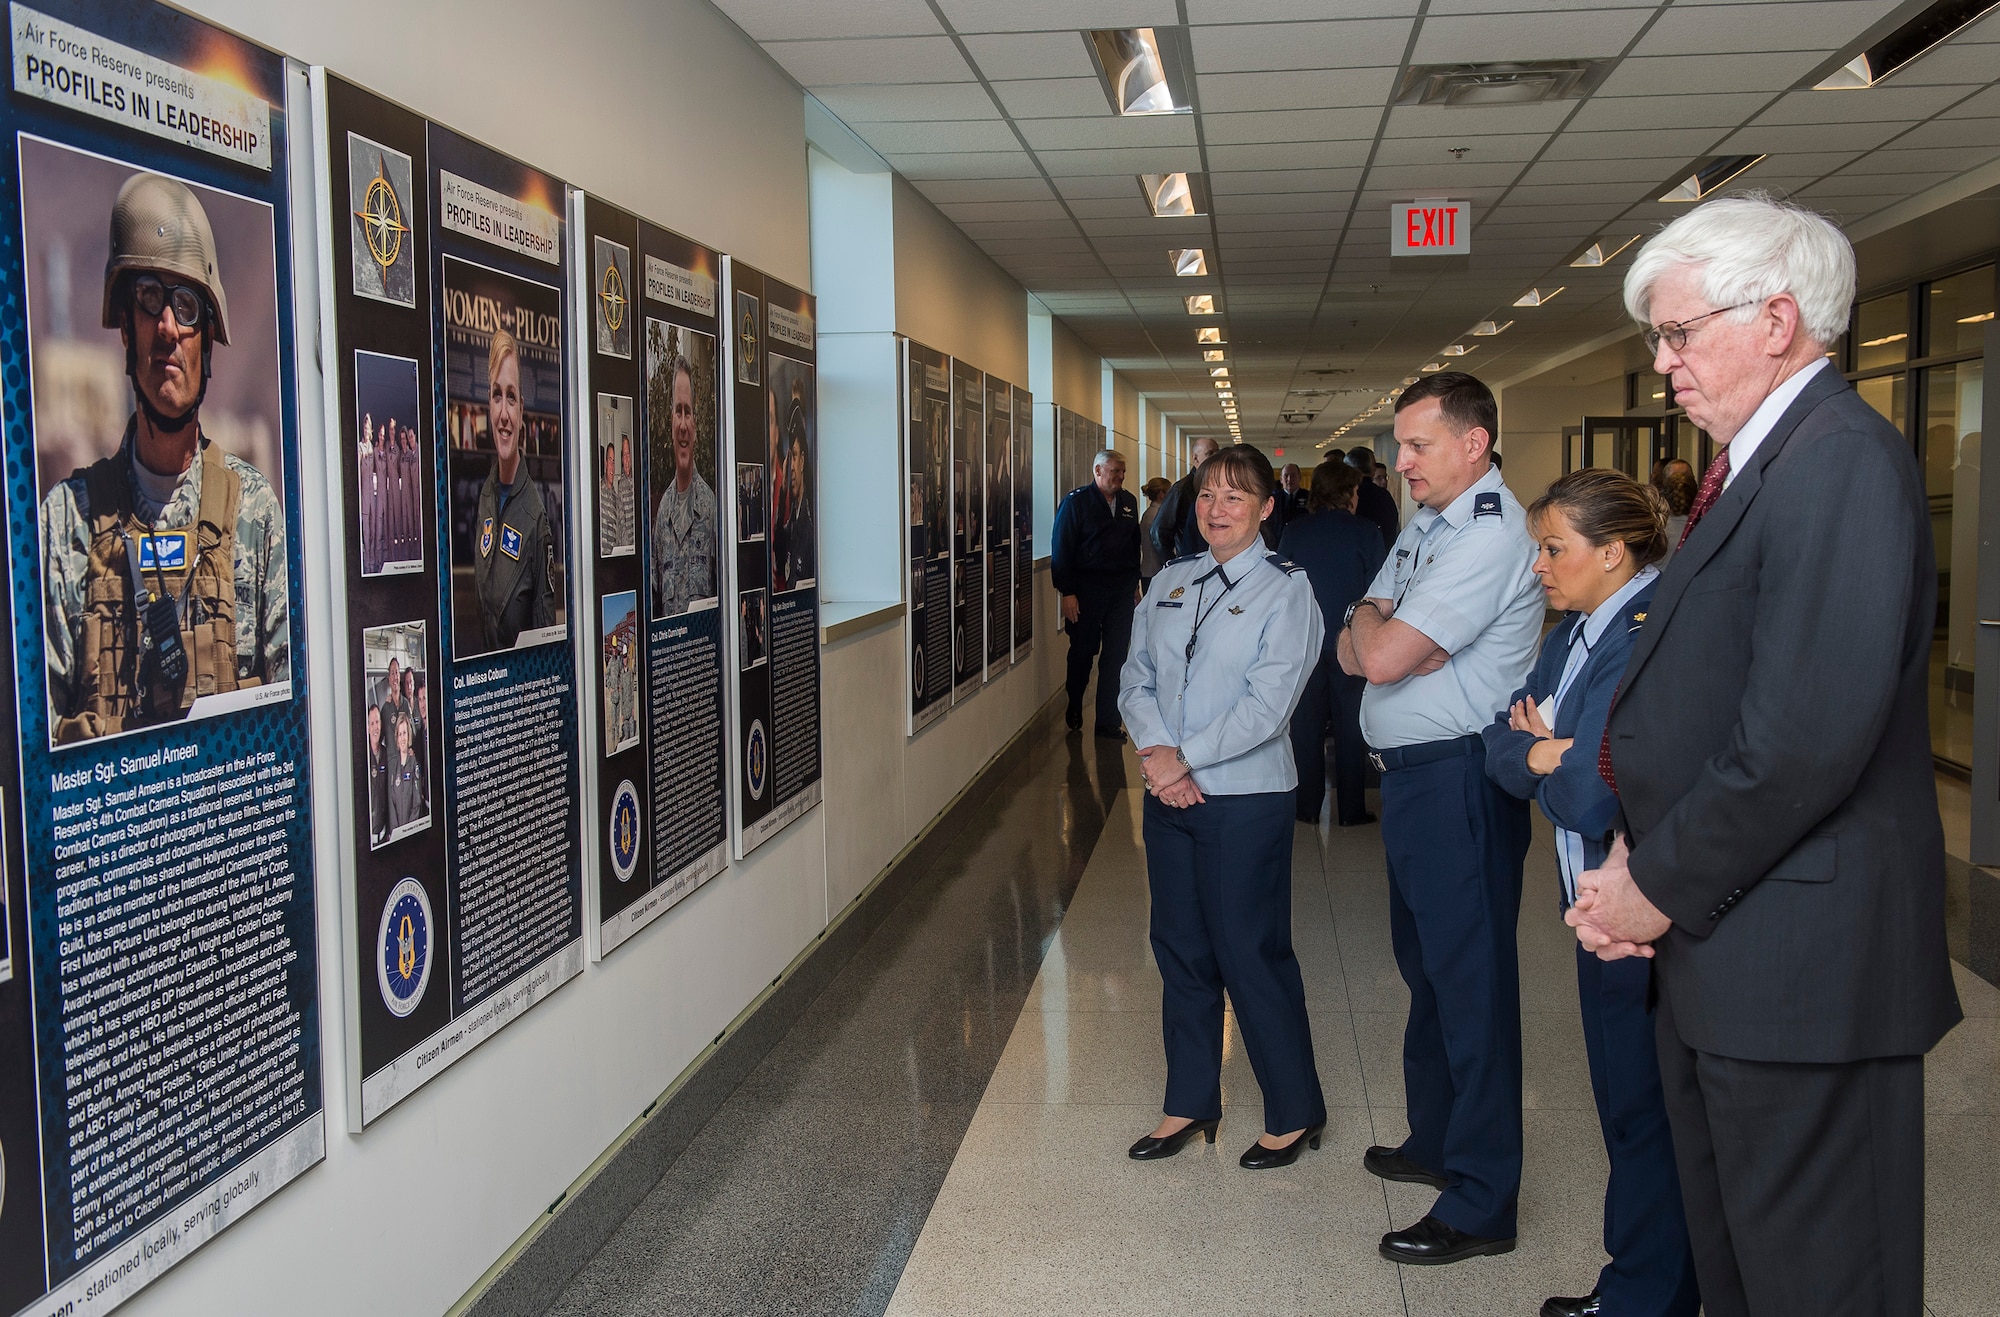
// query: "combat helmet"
[[158, 225]]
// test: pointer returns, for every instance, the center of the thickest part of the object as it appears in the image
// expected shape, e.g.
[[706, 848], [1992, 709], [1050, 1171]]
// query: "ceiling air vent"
[[1475, 86]]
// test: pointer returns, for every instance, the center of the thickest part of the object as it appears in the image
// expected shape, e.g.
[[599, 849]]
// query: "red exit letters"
[[1430, 228]]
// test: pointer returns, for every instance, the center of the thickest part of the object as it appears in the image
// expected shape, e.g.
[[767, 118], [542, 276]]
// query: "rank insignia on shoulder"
[[1177, 592], [1285, 565], [1186, 557], [510, 542], [486, 537], [1486, 505], [1638, 617]]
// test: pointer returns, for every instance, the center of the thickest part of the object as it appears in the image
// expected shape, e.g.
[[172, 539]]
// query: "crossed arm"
[[1384, 650]]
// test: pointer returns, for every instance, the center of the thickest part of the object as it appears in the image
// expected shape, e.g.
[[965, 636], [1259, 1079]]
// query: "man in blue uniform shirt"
[[1445, 634], [1094, 563]]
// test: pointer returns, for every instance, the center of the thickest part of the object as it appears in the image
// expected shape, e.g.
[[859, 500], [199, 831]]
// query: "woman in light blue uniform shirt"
[[1221, 650], [1599, 533]]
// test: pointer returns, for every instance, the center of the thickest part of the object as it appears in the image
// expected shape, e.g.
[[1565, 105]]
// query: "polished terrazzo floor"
[[942, 1134]]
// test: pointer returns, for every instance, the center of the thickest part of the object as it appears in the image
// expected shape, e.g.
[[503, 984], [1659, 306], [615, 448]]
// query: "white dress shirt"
[[1758, 427]]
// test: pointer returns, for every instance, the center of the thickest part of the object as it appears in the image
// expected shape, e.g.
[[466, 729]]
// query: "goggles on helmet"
[[152, 295]]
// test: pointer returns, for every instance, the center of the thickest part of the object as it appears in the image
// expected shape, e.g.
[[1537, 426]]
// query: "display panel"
[[774, 448], [968, 530], [1024, 524], [159, 1016], [927, 445], [444, 307], [997, 487], [662, 514]]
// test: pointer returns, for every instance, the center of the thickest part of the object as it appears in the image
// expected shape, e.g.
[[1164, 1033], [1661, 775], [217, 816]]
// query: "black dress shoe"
[[1587, 1306], [1432, 1243], [1391, 1164], [1365, 819], [1073, 719], [1111, 733], [1257, 1157], [1150, 1149]]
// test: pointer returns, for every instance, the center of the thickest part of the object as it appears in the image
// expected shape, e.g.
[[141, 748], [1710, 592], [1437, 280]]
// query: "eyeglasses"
[[152, 295], [1676, 334]]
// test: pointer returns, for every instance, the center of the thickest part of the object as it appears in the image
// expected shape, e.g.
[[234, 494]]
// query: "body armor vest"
[[119, 682]]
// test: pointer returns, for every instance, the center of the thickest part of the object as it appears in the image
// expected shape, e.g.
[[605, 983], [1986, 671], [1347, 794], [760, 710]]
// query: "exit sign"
[[1430, 228]]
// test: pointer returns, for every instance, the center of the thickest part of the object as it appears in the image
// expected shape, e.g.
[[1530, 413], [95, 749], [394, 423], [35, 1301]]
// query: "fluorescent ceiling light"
[[1201, 304], [1709, 175], [1661, 394], [1883, 342], [1189, 261], [1172, 195], [1209, 335], [1212, 354], [1142, 69], [1460, 349], [1218, 372], [1602, 252], [1487, 329], [1976, 320], [1536, 297], [1935, 25], [1433, 365], [1408, 380]]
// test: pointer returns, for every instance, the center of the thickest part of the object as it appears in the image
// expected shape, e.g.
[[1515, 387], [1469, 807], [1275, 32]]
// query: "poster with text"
[[997, 478], [660, 767], [968, 529], [927, 447], [1024, 523], [774, 425], [159, 1012], [450, 475]]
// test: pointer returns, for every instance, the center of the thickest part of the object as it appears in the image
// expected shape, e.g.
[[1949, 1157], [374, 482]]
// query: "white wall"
[[664, 107]]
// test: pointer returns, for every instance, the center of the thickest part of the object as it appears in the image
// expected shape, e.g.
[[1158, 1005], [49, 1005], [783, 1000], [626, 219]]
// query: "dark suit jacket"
[[1773, 752], [1376, 504], [1341, 554]]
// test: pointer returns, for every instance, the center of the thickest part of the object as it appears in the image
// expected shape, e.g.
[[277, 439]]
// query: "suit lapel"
[[1720, 521]]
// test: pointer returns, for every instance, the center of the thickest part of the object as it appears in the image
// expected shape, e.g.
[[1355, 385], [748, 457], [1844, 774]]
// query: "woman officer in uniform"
[[513, 563], [1221, 650]]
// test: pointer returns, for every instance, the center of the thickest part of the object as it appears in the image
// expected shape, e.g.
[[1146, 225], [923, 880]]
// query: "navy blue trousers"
[[1103, 621], [1455, 845], [1221, 879], [1330, 706], [1651, 1272]]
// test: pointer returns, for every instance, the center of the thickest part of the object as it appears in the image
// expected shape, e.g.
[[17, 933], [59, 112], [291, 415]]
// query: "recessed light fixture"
[[1409, 380], [1201, 304], [1209, 335], [1710, 174], [1430, 366], [1658, 396], [1535, 297], [1979, 319], [1487, 329], [1460, 349], [1925, 31], [1218, 372], [1143, 69], [1189, 261], [1602, 251], [1212, 354], [1171, 196], [1884, 341]]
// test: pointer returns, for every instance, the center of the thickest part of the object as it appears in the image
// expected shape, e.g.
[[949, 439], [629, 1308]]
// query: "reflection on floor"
[[1951, 712], [1043, 1213]]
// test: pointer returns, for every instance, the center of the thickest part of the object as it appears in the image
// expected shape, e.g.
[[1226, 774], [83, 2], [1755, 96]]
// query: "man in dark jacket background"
[[1373, 503], [1094, 563]]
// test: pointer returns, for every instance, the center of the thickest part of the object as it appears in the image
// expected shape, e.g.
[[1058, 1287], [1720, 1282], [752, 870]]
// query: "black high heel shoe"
[[1260, 1158], [1150, 1149]]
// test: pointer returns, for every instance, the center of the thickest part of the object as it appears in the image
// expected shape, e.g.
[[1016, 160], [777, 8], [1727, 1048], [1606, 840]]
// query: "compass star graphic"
[[748, 338], [381, 217], [611, 297]]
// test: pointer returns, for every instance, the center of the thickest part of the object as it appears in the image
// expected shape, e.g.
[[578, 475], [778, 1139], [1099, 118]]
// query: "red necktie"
[[1704, 499]]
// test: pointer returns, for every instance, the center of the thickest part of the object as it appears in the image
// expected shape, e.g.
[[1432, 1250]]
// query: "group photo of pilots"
[[794, 529], [621, 659], [506, 465], [685, 519], [389, 487], [396, 731], [617, 486], [154, 362], [752, 650]]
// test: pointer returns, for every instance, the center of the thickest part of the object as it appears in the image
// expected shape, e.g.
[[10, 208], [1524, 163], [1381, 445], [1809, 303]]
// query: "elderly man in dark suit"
[[1771, 751]]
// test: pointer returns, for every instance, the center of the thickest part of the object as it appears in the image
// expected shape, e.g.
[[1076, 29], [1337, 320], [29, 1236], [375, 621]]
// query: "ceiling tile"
[[1352, 43], [1301, 89], [1955, 132], [898, 139], [1047, 15], [1862, 185], [1132, 207], [1643, 171], [971, 212], [1253, 181], [1138, 160], [1291, 126], [1440, 7], [1661, 145], [1816, 137], [1620, 113], [941, 190], [1443, 121], [1032, 55], [1956, 62], [1481, 150], [1873, 105], [1076, 187], [1818, 25], [917, 102], [966, 164], [1301, 155], [768, 20], [1282, 203], [1047, 98], [1584, 34], [1108, 130], [1672, 75], [1445, 178], [888, 60]]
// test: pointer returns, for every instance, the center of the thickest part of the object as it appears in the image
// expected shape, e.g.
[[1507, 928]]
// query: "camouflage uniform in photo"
[[684, 533]]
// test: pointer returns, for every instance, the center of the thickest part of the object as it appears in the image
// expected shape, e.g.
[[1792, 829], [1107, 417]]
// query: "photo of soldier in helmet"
[[164, 551]]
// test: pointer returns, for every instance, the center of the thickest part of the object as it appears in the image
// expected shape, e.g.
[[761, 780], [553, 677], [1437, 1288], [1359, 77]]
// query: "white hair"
[[1107, 455], [1749, 248]]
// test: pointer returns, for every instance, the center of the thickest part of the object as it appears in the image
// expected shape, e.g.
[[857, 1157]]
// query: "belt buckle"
[[1375, 761]]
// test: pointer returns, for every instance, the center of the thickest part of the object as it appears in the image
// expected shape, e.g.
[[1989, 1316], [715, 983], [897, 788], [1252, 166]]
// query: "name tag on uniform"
[[510, 542], [1167, 603], [165, 551]]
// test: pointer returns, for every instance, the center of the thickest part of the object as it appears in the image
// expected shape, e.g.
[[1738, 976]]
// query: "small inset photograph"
[[750, 502], [384, 244], [752, 621], [621, 670], [617, 488], [749, 340], [683, 481], [388, 463], [613, 274], [394, 700], [916, 584]]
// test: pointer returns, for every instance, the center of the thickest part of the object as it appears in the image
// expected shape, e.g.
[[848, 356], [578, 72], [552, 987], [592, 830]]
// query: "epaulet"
[[1486, 505], [1638, 618], [1283, 564], [1186, 557]]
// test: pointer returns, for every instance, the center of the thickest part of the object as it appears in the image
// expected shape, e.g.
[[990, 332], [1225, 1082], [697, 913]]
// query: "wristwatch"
[[1183, 758], [1347, 619]]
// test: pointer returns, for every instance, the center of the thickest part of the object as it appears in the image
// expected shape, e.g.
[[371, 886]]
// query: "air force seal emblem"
[[403, 948], [486, 538], [756, 759], [625, 830]]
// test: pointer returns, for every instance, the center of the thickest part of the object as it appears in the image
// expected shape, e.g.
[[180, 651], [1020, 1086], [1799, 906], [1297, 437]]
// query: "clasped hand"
[[1612, 917], [1167, 777], [1545, 755]]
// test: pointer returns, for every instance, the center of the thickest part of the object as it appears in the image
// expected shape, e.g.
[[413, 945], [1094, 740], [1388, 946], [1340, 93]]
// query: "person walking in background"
[[1175, 532], [1340, 554], [1781, 856], [1221, 651], [1094, 563], [1149, 552], [1599, 533], [1678, 487], [1372, 503], [1446, 631]]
